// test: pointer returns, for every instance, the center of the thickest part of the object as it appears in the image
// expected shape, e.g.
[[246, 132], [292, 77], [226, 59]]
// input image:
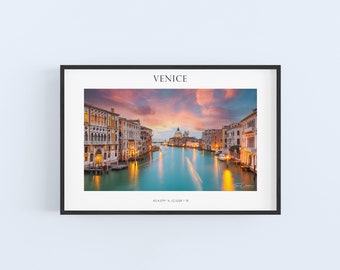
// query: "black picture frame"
[[275, 69]]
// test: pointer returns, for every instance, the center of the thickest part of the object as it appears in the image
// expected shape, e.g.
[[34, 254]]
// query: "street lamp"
[[228, 157]]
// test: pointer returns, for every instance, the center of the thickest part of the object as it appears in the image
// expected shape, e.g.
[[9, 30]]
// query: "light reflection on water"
[[195, 176], [133, 172], [228, 181], [175, 169], [96, 180], [160, 166]]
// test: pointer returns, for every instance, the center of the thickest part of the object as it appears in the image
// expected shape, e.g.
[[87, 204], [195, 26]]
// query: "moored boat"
[[222, 157]]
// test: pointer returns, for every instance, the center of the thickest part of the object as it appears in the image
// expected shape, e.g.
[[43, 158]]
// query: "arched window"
[[104, 138], [86, 137]]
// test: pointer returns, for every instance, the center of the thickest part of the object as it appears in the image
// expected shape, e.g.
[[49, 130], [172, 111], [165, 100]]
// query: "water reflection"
[[133, 172], [227, 181], [194, 156], [216, 167], [96, 180], [160, 165], [195, 176], [175, 169]]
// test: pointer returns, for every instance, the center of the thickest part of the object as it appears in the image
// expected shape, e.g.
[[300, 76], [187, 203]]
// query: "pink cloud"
[[191, 109], [204, 97], [212, 111], [230, 93]]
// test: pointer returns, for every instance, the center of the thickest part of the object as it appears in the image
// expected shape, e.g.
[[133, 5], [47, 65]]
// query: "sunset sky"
[[163, 110]]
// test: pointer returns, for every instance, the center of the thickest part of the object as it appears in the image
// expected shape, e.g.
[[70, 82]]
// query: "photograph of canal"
[[170, 140]]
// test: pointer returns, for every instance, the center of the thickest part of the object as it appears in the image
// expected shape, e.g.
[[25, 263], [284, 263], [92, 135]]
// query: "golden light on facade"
[[98, 158], [86, 117]]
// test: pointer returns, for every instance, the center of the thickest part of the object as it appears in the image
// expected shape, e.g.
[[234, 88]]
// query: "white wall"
[[37, 36]]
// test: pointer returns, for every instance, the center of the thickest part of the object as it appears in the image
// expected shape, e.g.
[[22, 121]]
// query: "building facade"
[[146, 140], [176, 140], [212, 139], [130, 141], [248, 150], [109, 138], [183, 140], [101, 136], [231, 138], [216, 140], [192, 142]]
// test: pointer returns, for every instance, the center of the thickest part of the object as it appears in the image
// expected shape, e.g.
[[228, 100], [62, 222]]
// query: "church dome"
[[178, 134]]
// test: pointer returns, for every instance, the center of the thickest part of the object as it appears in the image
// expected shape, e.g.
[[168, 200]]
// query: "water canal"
[[175, 169]]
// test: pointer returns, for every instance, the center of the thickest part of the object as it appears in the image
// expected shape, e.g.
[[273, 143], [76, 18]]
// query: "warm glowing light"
[[216, 167], [227, 181], [86, 117], [160, 166], [194, 155], [96, 179], [98, 158], [134, 172]]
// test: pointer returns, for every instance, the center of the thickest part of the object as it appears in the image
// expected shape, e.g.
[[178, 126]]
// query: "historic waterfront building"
[[183, 140], [206, 139], [212, 139], [129, 139], [192, 142], [101, 136], [248, 150], [176, 140], [146, 140], [216, 140], [109, 138], [231, 138]]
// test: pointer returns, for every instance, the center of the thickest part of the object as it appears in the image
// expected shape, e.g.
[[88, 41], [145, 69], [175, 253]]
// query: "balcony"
[[252, 150], [95, 143], [249, 130]]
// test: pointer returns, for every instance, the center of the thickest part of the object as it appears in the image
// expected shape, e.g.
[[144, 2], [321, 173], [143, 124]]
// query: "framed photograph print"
[[170, 139]]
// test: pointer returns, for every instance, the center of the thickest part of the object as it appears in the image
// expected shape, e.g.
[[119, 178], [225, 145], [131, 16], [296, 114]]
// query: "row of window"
[[98, 137], [251, 123], [230, 134], [251, 142], [99, 120]]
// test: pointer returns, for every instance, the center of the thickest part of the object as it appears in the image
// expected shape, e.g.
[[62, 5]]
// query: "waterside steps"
[[120, 166], [105, 169], [244, 166], [248, 168]]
